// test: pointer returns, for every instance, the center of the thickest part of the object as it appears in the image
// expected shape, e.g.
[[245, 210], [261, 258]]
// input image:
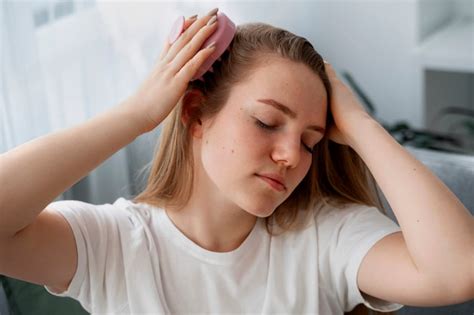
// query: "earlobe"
[[196, 129]]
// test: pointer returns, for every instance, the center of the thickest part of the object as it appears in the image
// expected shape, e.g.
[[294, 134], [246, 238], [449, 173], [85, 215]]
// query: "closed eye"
[[271, 128], [264, 126]]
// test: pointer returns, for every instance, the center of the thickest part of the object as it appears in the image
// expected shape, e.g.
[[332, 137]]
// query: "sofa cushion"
[[26, 298]]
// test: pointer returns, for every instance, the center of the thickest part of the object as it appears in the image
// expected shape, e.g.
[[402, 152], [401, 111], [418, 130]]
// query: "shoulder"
[[122, 212], [331, 211], [350, 219]]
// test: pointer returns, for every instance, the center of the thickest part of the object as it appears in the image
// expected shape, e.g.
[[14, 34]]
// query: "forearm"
[[35, 173], [438, 229]]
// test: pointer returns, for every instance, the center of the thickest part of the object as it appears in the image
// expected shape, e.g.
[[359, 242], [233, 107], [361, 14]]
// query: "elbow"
[[456, 282], [470, 286], [467, 292], [461, 286], [464, 290]]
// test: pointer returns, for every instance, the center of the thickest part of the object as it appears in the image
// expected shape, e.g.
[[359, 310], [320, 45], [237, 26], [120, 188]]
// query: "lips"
[[274, 180]]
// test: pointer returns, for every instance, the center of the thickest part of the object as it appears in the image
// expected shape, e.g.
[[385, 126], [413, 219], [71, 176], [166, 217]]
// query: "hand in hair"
[[177, 64], [345, 109]]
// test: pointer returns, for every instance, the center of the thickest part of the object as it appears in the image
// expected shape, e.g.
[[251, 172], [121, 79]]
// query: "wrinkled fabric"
[[132, 259]]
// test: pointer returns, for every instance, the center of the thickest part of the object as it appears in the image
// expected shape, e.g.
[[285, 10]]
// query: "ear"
[[191, 111]]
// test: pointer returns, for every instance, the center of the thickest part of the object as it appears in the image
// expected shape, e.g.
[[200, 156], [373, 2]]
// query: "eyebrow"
[[287, 111]]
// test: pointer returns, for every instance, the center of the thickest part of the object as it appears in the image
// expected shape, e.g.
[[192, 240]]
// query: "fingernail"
[[212, 12], [192, 17], [211, 45], [212, 20]]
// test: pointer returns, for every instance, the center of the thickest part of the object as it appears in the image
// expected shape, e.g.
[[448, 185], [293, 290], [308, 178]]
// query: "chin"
[[261, 212], [261, 206]]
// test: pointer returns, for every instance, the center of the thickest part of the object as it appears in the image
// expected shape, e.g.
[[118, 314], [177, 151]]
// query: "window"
[[47, 12]]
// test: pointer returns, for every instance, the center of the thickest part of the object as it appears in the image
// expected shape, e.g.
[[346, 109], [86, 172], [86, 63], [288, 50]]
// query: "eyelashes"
[[272, 128], [264, 126]]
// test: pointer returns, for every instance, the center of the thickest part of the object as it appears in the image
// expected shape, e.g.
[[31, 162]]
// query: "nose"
[[287, 153]]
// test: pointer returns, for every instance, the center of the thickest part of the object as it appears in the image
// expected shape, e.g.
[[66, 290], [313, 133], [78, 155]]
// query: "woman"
[[259, 200]]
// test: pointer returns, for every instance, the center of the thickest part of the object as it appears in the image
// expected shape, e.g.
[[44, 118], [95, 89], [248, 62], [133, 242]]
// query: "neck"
[[210, 219], [211, 227]]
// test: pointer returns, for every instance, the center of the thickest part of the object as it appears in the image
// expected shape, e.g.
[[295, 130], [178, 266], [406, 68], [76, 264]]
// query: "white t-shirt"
[[132, 259]]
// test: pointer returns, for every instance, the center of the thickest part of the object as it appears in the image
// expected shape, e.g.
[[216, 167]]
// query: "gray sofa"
[[456, 171], [4, 310]]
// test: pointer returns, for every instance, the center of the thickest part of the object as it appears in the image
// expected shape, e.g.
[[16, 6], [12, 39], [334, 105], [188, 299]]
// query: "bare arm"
[[33, 174], [437, 228], [429, 262]]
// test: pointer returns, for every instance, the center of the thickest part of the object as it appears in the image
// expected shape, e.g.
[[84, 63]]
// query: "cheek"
[[297, 174], [237, 143], [222, 149], [253, 141], [304, 169]]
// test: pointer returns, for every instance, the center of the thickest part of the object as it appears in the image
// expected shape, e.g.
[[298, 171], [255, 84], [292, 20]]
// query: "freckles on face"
[[231, 153], [221, 145], [232, 136], [235, 146]]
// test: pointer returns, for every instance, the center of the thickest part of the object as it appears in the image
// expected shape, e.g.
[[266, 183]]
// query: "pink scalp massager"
[[223, 36]]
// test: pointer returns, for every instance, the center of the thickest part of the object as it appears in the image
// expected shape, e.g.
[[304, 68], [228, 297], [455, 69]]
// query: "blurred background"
[[410, 62]]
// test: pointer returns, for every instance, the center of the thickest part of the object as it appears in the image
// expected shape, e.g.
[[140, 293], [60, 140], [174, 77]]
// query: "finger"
[[187, 23], [190, 20], [192, 47], [326, 65], [186, 37], [330, 71], [190, 68], [166, 47]]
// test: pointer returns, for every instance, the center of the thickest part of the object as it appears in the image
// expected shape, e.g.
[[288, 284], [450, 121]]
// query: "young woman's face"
[[268, 127]]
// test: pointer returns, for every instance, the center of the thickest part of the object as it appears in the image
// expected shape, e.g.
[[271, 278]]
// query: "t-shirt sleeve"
[[96, 230], [346, 235]]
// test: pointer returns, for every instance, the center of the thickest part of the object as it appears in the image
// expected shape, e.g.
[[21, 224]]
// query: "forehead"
[[293, 84]]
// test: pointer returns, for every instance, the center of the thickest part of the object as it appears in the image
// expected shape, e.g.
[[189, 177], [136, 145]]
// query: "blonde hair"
[[337, 176]]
